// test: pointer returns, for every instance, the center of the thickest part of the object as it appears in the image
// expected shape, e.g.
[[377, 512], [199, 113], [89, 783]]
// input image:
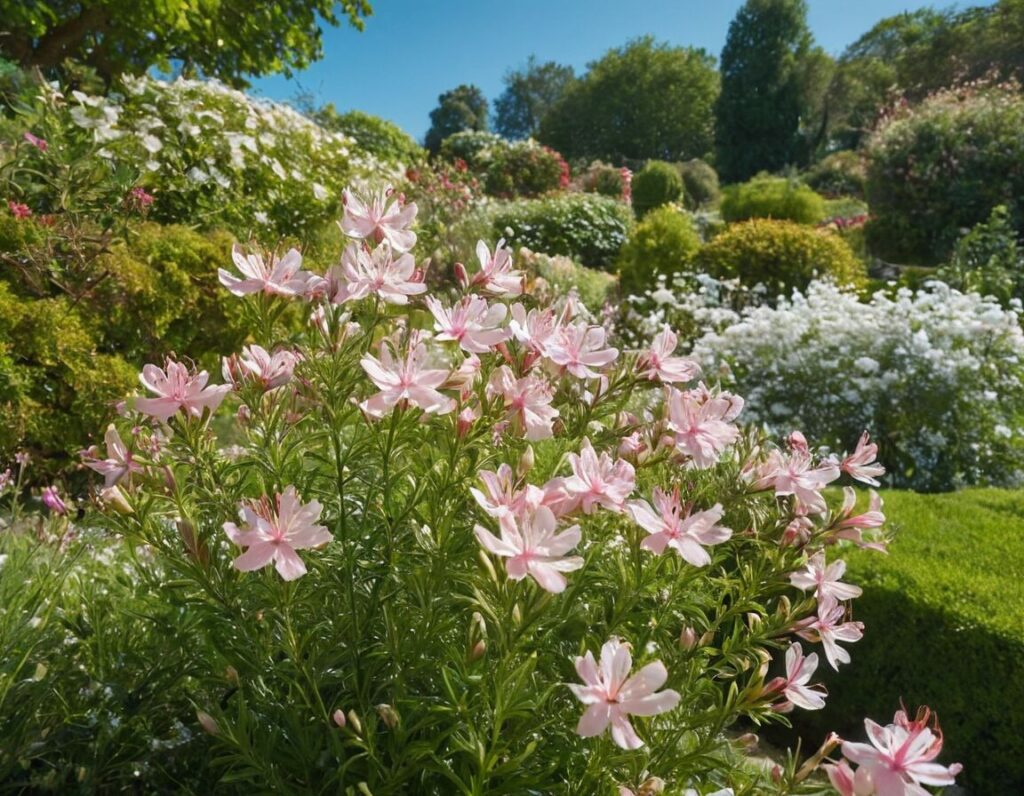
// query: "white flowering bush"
[[206, 153], [453, 542], [935, 374]]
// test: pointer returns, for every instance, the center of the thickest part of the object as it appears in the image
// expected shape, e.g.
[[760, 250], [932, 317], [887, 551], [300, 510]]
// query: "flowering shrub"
[[664, 242], [781, 255], [588, 228], [508, 169], [605, 180], [936, 375], [778, 198], [461, 541], [940, 167], [839, 174], [207, 154]]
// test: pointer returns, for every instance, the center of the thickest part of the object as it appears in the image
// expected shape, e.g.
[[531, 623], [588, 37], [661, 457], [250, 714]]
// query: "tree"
[[646, 100], [768, 94], [462, 108], [529, 94], [227, 39]]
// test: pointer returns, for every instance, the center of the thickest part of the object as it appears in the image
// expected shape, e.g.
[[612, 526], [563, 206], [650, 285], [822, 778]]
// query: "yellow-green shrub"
[[772, 197], [780, 254], [665, 242]]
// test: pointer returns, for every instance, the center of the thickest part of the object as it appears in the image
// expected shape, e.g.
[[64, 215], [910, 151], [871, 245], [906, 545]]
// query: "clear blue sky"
[[412, 50]]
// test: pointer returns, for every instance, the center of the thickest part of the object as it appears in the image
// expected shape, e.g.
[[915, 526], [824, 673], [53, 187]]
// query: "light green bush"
[[778, 198], [656, 184], [664, 242], [700, 183]]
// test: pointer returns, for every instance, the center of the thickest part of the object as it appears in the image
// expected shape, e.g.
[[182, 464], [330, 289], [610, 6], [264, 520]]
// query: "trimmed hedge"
[[586, 227], [943, 627], [772, 197], [656, 184], [780, 254]]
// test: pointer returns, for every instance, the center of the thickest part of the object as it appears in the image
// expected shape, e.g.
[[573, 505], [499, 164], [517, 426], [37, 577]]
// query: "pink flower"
[[19, 210], [659, 363], [896, 762], [612, 696], [405, 380], [829, 628], [274, 534], [52, 500], [119, 463], [861, 463], [799, 671], [795, 475], [579, 349], [380, 219], [535, 329], [528, 399], [496, 275], [139, 199], [598, 481], [363, 273], [36, 141], [470, 323], [532, 547], [825, 579], [178, 390], [668, 526], [852, 528], [255, 362], [700, 424], [279, 277], [502, 496]]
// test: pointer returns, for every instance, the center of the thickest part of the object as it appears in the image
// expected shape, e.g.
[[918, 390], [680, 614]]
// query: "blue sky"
[[412, 50]]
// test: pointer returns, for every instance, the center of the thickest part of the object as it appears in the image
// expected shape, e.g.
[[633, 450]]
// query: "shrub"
[[656, 184], [664, 242], [700, 184], [778, 198], [209, 155], [937, 376], [589, 229], [76, 328], [523, 168], [941, 167], [473, 147], [606, 180], [388, 615], [989, 259], [384, 140], [555, 278], [947, 587], [780, 254], [839, 174]]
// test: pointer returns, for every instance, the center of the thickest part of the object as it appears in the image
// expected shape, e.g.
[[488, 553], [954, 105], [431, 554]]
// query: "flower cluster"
[[465, 495]]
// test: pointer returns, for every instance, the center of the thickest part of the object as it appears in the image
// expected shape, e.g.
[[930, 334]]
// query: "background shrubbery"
[[779, 198], [664, 242], [657, 184]]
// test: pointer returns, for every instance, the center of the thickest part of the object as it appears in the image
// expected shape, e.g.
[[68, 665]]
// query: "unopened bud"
[[748, 741], [688, 639], [461, 277], [776, 774], [231, 675], [388, 715], [478, 651], [651, 787], [785, 606], [364, 789], [114, 498], [207, 722], [707, 638], [486, 561], [517, 614], [353, 719], [526, 461], [339, 717]]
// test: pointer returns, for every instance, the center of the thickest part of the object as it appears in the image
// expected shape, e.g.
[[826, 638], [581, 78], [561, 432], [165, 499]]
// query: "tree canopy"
[[228, 39], [646, 100], [462, 108], [529, 94]]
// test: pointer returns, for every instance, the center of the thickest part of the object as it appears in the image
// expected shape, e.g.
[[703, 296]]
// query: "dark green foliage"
[[644, 100], [942, 616], [771, 80], [941, 167], [212, 37], [588, 228], [839, 174], [700, 182], [529, 94], [989, 259], [781, 254], [772, 197], [657, 184], [375, 135], [664, 242], [462, 108]]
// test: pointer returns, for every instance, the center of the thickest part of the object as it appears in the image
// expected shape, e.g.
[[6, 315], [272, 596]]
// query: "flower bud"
[[526, 461], [208, 723], [688, 639], [478, 651], [231, 675], [517, 614], [707, 638], [339, 717], [388, 715], [651, 787], [461, 277], [114, 498], [353, 719], [748, 741]]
